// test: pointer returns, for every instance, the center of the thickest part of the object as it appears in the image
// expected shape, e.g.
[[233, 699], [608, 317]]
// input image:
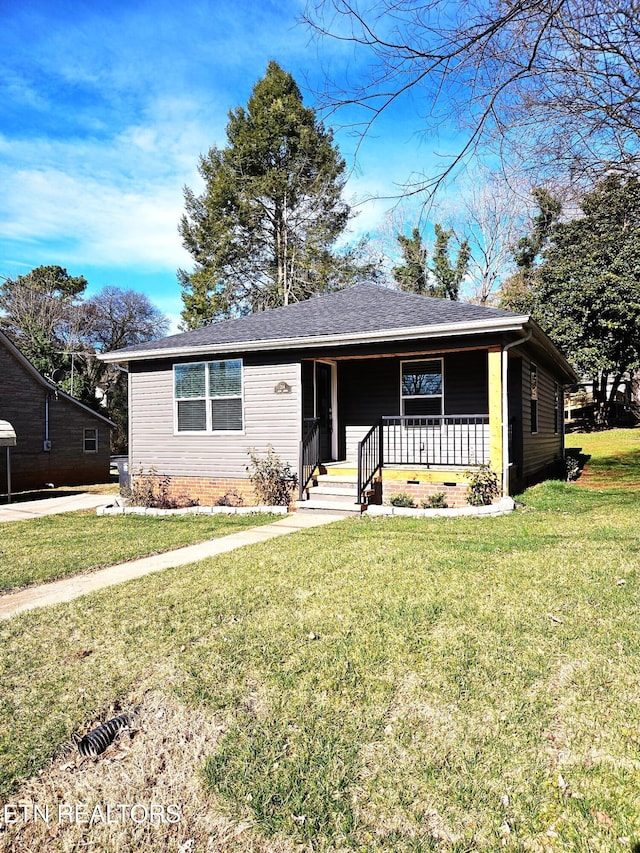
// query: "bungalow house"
[[386, 390], [57, 438]]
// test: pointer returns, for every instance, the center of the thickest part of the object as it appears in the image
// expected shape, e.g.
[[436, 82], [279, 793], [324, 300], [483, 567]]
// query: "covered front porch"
[[418, 419]]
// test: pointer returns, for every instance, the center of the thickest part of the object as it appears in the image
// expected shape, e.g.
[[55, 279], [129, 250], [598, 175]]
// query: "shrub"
[[483, 486], [401, 499], [273, 480], [436, 501], [230, 498], [572, 468], [151, 490]]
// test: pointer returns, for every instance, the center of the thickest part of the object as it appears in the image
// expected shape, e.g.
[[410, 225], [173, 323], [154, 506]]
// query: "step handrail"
[[309, 455], [370, 458]]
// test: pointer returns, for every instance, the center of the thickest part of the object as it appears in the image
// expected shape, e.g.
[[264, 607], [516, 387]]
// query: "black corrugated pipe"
[[95, 742]]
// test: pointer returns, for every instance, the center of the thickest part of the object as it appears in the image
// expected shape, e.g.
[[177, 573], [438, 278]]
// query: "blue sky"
[[106, 108]]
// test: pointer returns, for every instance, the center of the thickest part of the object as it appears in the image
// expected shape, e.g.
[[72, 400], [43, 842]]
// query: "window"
[[421, 387], [209, 396], [90, 440], [533, 379]]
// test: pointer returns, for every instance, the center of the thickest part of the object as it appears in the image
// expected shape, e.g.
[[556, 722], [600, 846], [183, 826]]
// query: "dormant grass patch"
[[143, 793]]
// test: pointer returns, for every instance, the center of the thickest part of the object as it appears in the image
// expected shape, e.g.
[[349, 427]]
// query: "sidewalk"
[[52, 506], [73, 587]]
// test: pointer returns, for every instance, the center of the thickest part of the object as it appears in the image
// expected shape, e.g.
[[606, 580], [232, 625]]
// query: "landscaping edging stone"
[[117, 509], [502, 507]]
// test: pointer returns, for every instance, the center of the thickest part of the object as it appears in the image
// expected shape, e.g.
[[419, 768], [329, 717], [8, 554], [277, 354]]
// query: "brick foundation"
[[209, 490], [455, 495]]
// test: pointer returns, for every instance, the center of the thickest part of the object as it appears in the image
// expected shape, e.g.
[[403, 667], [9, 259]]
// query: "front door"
[[323, 409]]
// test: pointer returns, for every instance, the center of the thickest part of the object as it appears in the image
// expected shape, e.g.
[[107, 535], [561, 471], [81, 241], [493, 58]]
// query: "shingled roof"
[[359, 313]]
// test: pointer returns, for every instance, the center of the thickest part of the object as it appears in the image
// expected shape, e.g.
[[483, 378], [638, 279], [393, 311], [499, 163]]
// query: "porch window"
[[421, 387], [208, 396]]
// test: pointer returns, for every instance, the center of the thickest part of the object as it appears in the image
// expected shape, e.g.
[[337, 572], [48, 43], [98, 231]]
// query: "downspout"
[[505, 410]]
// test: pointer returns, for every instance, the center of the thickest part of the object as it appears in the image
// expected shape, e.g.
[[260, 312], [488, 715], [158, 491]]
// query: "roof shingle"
[[355, 310]]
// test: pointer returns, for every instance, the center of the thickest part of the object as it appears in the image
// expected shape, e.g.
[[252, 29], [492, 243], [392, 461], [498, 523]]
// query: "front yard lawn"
[[55, 546], [385, 684]]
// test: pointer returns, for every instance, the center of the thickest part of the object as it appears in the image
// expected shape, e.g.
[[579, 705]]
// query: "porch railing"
[[309, 454], [444, 440], [456, 440], [370, 458]]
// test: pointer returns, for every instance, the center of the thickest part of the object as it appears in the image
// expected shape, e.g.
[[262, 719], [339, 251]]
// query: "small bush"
[[483, 486], [572, 468], [436, 501], [273, 480], [230, 498], [401, 499], [152, 490]]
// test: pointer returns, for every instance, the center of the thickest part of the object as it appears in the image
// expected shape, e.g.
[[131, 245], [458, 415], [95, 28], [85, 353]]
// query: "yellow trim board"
[[431, 476]]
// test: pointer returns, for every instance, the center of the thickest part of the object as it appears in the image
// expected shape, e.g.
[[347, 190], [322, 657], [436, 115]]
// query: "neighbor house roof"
[[50, 386], [364, 313]]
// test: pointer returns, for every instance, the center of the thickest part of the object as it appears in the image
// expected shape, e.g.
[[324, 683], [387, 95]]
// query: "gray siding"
[[269, 418]]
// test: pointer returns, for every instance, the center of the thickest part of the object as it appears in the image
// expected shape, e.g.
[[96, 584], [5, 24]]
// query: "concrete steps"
[[336, 492]]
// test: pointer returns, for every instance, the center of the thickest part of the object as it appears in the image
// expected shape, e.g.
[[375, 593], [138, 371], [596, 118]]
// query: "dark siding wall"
[[466, 388], [308, 406], [23, 404], [542, 450], [370, 388], [367, 389], [515, 380]]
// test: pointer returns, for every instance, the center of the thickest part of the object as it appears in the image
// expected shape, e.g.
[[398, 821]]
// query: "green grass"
[[384, 684], [614, 456], [56, 546]]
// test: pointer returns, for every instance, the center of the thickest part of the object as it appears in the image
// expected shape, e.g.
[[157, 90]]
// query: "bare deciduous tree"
[[554, 82], [494, 215]]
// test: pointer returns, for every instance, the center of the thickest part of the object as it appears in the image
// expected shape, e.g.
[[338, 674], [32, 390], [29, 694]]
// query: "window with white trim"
[[421, 387], [90, 440], [208, 396]]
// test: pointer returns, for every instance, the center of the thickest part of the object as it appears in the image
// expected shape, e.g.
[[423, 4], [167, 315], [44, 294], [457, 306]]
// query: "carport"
[[8, 440]]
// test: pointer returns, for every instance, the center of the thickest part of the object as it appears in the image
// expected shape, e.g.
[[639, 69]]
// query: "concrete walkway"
[[52, 506], [73, 587]]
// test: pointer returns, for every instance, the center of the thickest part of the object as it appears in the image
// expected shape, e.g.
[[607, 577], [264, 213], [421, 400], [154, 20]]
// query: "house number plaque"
[[282, 388]]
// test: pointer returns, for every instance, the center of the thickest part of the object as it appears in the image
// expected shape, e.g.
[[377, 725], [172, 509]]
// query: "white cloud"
[[96, 222]]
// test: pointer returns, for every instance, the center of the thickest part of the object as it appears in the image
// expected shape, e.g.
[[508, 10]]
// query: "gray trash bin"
[[122, 464]]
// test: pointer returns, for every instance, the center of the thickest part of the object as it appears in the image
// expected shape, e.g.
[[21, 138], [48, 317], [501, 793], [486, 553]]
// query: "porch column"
[[495, 416]]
